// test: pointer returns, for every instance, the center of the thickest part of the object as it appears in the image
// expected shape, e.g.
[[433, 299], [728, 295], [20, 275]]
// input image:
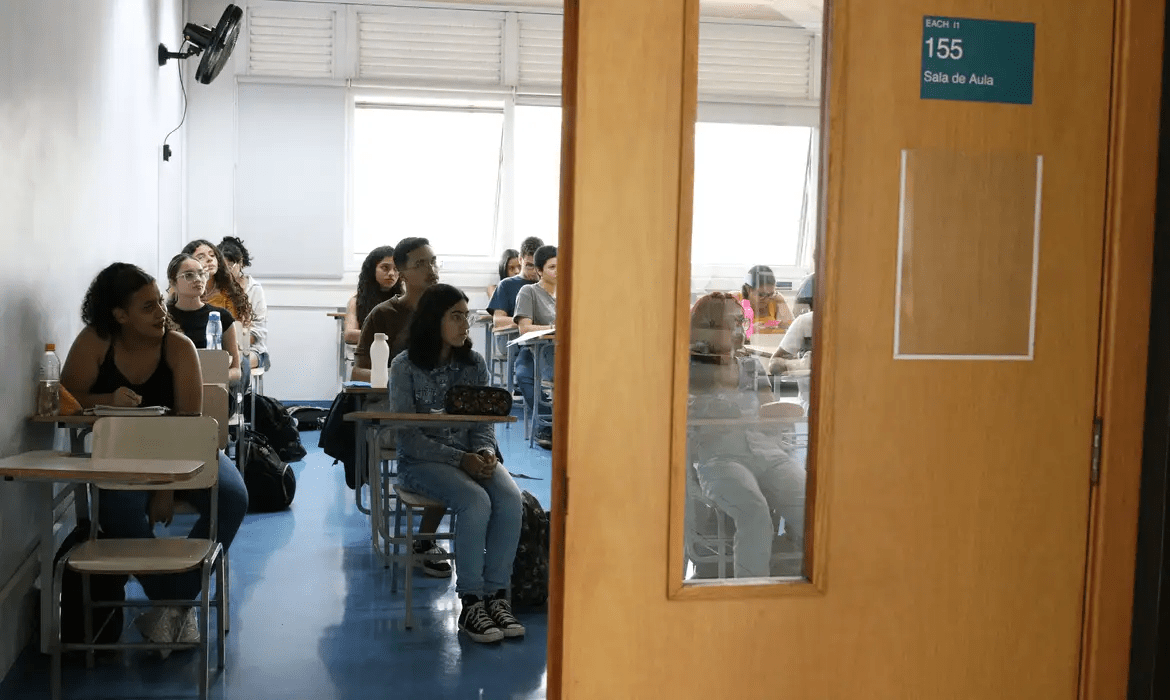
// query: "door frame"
[[1126, 285]]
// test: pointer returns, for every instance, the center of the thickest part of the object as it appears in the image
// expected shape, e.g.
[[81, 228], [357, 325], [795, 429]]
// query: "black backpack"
[[308, 417], [275, 424], [271, 483], [530, 569], [107, 622], [338, 436]]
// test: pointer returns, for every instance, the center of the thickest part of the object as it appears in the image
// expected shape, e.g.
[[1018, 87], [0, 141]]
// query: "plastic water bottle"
[[214, 331], [49, 383], [379, 362]]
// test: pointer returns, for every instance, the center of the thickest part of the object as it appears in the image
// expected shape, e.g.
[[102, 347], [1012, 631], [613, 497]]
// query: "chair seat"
[[415, 500], [162, 556]]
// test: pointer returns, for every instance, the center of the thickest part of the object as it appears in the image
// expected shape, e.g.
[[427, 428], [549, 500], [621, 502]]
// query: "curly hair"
[[426, 336], [111, 289], [224, 282], [233, 249], [369, 292]]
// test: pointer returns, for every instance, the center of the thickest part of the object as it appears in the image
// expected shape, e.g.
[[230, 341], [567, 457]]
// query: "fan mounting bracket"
[[164, 55]]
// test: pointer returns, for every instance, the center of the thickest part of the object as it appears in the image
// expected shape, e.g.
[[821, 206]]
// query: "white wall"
[[302, 339], [83, 111]]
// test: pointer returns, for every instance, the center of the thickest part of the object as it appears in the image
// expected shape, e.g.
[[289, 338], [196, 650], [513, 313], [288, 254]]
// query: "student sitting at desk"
[[222, 289], [765, 310], [510, 266], [129, 354], [536, 310], [419, 270], [378, 281], [502, 304], [186, 308], [237, 258], [459, 466], [745, 472], [795, 356]]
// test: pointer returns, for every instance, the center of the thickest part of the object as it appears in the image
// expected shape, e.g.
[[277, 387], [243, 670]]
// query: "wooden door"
[[952, 499]]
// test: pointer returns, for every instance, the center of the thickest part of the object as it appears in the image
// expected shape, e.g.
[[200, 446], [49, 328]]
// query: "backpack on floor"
[[530, 569], [107, 622], [338, 436], [271, 483], [308, 417], [277, 426]]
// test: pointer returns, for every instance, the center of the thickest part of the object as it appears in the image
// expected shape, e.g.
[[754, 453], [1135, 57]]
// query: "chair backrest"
[[165, 437], [215, 404], [215, 365]]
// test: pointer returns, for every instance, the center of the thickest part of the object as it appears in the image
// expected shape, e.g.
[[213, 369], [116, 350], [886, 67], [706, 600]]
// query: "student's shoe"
[[433, 567], [160, 625], [501, 613], [189, 628], [544, 438], [475, 621]]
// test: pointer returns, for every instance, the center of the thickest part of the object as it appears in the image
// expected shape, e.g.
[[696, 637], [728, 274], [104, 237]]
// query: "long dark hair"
[[369, 292], [506, 258], [111, 289], [224, 281], [426, 337], [233, 249]]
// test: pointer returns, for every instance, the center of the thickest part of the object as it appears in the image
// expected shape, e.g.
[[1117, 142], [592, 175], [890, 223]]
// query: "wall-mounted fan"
[[215, 44]]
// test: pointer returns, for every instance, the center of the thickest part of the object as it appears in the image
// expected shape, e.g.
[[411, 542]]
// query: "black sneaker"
[[438, 568], [475, 621], [501, 612], [544, 438]]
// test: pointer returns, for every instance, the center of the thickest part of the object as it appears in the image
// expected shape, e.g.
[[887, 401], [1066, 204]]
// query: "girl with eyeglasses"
[[222, 289], [188, 283], [765, 310]]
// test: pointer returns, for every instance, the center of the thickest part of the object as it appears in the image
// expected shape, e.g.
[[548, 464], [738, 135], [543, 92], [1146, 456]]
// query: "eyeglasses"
[[434, 264], [191, 275]]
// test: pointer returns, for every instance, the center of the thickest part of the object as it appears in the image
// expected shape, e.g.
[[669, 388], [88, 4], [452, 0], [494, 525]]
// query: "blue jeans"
[[489, 514], [122, 514], [526, 370]]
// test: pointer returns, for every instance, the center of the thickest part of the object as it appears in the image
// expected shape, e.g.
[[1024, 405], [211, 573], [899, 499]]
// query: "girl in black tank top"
[[157, 390]]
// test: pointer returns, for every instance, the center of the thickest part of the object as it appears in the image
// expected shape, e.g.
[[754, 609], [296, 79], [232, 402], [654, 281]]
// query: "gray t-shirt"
[[536, 304]]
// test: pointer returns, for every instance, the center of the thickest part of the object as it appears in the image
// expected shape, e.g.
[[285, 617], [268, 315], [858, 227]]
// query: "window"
[[537, 174], [432, 172], [750, 188]]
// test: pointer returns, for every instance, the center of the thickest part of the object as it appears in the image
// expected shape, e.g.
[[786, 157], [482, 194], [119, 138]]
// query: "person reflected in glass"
[[765, 311], [459, 466], [741, 467], [378, 281]]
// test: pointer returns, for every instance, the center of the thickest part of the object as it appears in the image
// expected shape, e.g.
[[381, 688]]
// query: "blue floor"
[[313, 616]]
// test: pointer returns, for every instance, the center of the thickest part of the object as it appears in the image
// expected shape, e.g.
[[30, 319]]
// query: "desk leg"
[[47, 550], [359, 464]]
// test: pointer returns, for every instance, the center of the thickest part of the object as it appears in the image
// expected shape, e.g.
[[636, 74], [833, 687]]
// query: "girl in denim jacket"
[[458, 466]]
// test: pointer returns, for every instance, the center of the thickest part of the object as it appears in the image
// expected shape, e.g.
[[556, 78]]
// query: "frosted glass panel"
[[968, 252]]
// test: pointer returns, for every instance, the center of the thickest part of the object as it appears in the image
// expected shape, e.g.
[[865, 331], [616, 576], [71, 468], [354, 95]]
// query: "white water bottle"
[[214, 331], [49, 383], [379, 362]]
